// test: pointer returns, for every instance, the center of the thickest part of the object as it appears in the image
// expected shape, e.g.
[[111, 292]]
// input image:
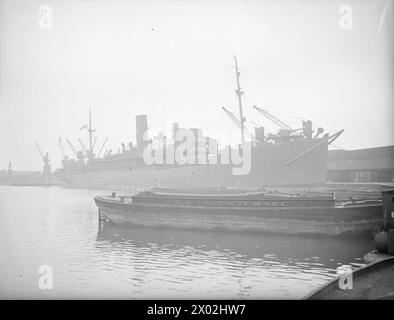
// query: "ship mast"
[[239, 93], [90, 130]]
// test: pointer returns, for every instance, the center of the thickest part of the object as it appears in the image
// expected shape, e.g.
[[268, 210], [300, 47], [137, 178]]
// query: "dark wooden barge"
[[248, 211]]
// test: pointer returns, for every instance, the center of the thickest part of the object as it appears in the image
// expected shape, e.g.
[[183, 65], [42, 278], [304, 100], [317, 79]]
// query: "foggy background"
[[173, 60]]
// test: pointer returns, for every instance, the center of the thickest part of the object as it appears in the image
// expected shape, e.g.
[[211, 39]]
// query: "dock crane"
[[45, 159], [235, 120]]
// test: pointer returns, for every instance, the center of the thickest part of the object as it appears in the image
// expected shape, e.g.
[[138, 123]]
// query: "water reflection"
[[59, 227], [231, 265]]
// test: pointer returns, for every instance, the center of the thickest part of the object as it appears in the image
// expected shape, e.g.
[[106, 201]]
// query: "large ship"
[[289, 157]]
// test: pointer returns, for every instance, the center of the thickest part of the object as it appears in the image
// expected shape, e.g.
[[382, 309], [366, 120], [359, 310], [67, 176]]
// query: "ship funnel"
[[141, 127]]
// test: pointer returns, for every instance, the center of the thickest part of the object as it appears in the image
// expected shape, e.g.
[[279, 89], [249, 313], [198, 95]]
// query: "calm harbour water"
[[59, 227]]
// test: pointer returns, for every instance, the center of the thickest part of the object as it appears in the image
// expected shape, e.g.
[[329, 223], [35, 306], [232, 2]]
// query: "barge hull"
[[309, 221]]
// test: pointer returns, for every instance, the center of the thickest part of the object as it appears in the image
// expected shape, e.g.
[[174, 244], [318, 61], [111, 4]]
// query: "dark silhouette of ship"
[[289, 157]]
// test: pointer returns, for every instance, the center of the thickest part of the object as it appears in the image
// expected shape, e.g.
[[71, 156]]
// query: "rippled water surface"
[[59, 227]]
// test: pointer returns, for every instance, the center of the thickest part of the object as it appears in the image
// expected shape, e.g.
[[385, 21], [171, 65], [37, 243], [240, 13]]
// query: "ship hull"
[[323, 221], [269, 167]]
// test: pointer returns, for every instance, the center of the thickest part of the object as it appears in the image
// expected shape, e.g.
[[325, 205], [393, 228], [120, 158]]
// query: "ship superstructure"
[[289, 157]]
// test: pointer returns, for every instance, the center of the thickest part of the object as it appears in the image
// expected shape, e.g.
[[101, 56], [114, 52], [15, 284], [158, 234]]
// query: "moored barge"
[[246, 211]]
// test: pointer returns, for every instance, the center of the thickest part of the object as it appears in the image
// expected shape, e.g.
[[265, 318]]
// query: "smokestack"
[[141, 127]]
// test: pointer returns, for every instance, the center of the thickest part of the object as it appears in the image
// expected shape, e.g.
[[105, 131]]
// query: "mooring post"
[[388, 215]]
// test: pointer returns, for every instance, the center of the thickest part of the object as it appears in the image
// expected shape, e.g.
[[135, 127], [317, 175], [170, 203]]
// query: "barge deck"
[[249, 212]]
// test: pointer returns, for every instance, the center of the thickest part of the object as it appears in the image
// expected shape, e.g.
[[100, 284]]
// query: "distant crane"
[[45, 159], [235, 120]]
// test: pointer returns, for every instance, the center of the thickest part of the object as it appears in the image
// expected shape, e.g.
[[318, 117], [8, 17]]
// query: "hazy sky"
[[173, 60]]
